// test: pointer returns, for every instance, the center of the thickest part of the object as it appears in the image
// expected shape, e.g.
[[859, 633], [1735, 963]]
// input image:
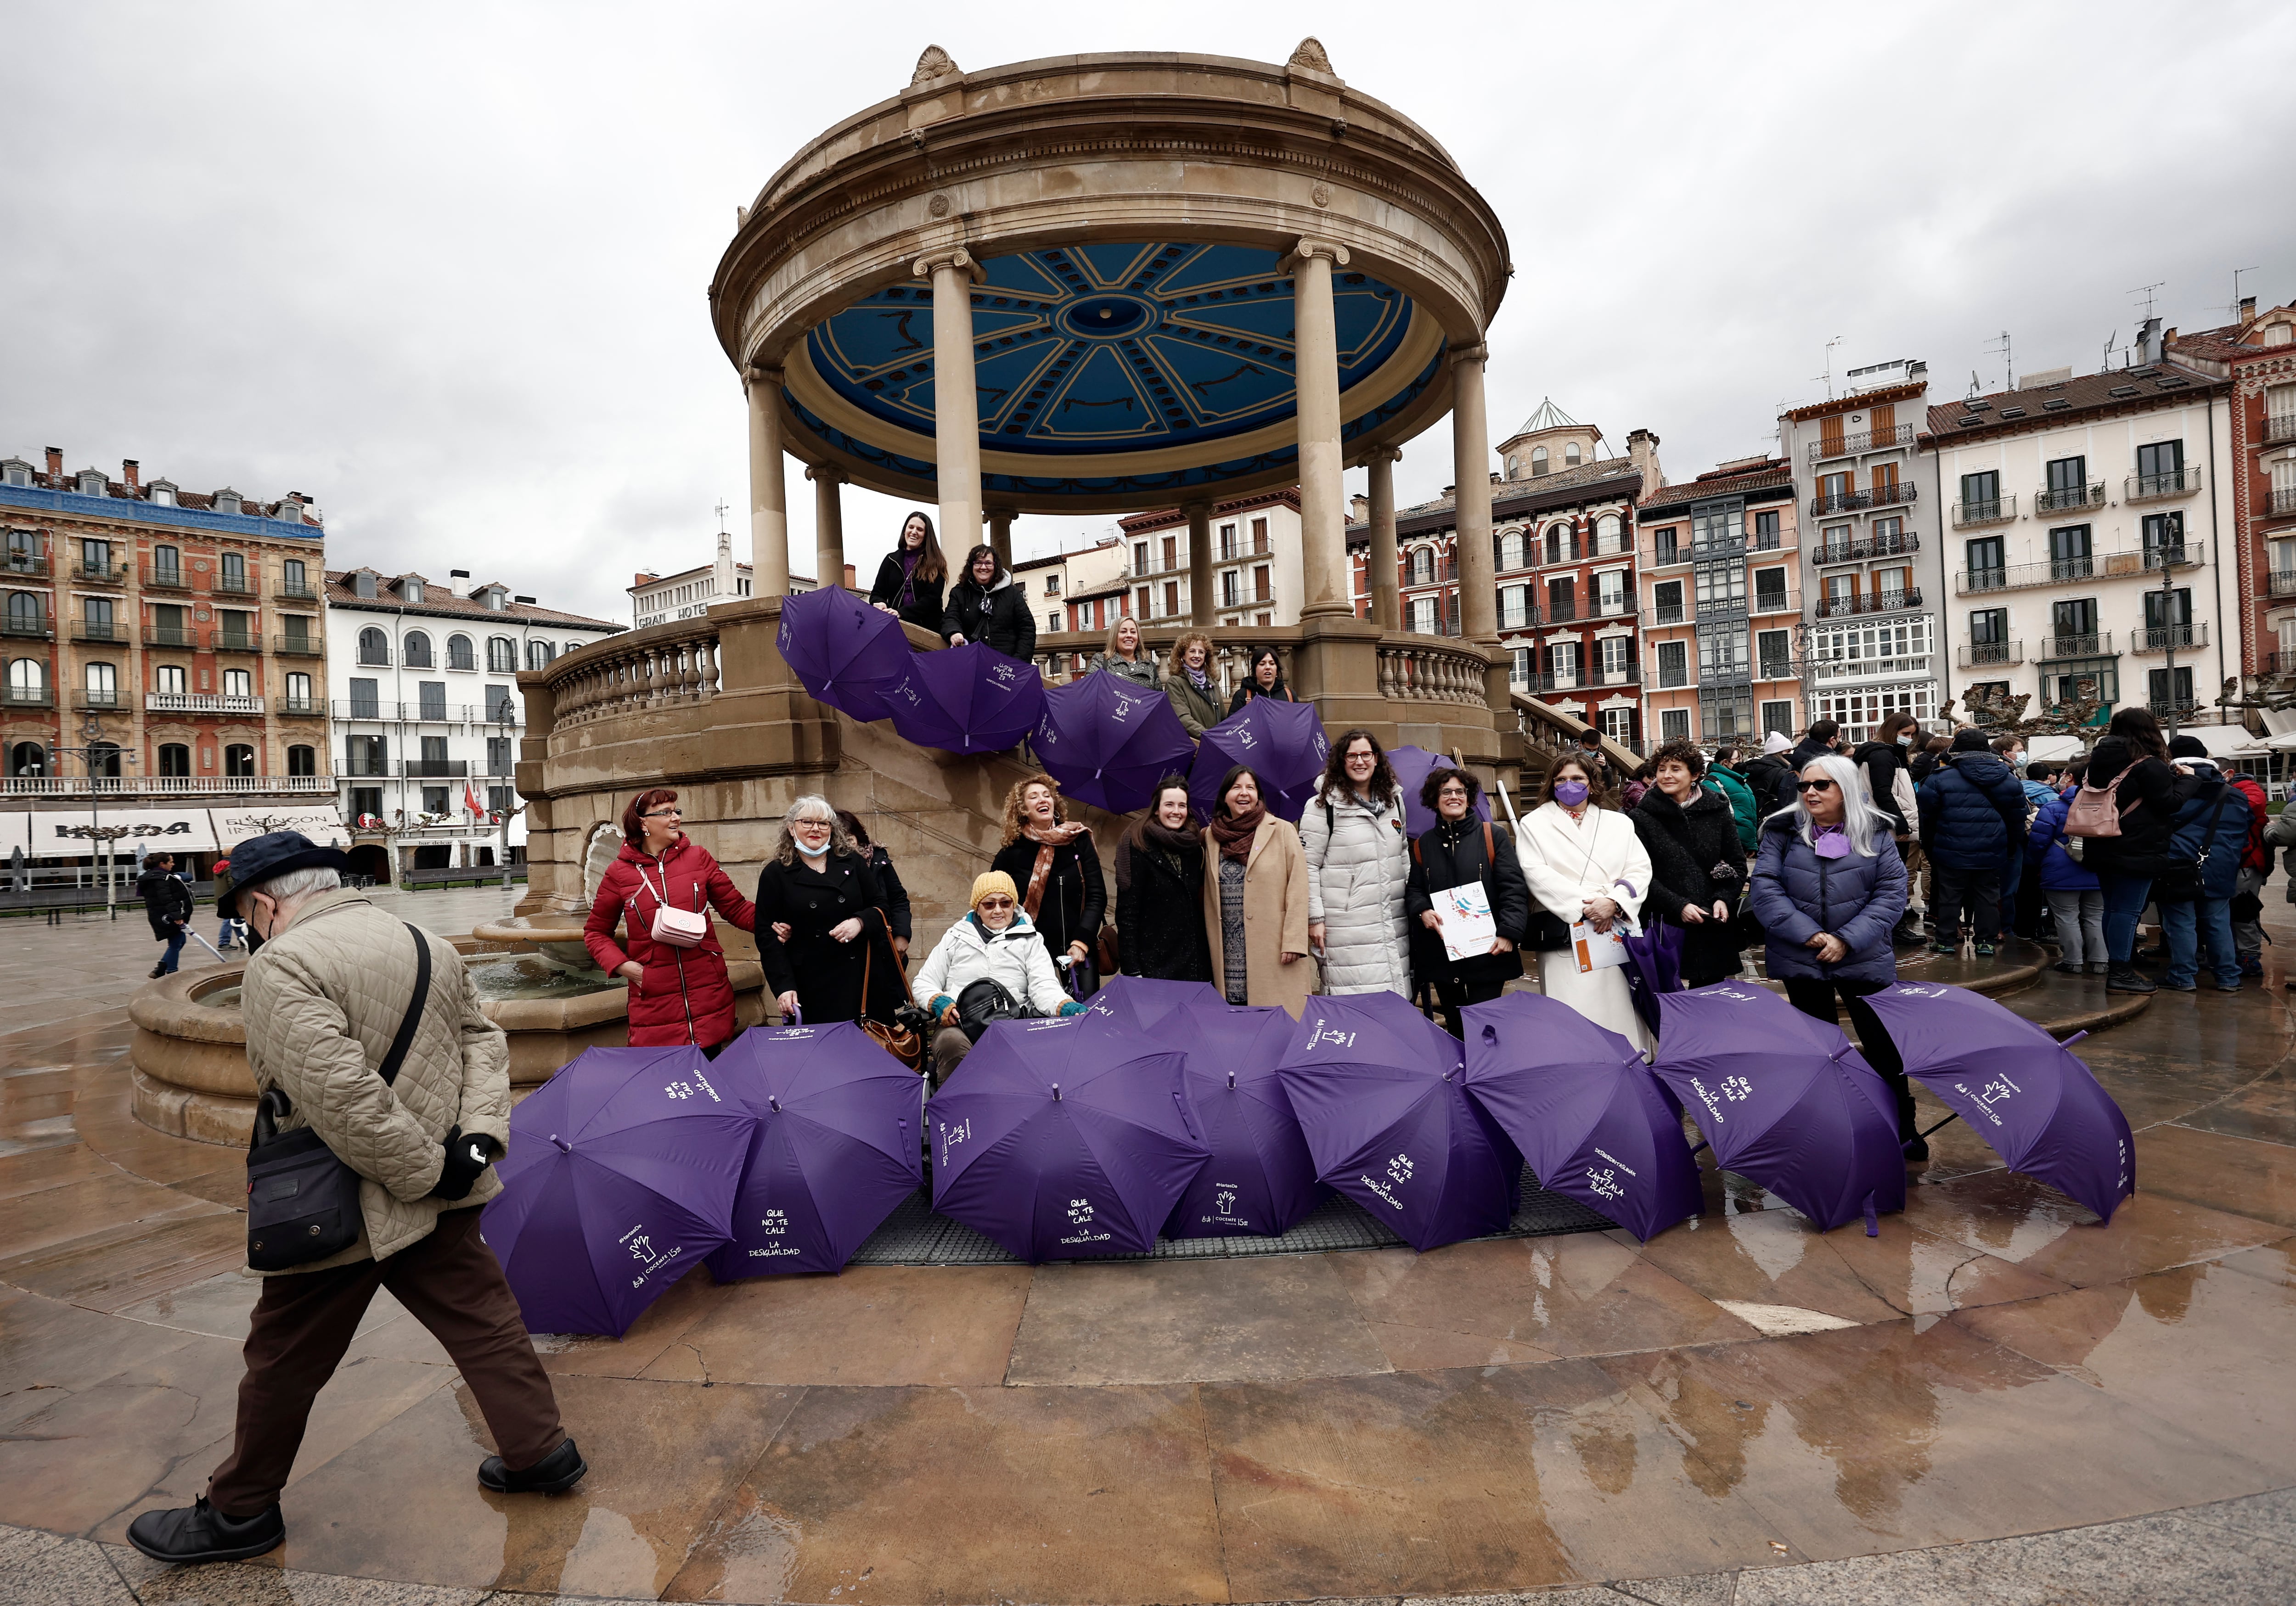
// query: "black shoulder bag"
[[302, 1202]]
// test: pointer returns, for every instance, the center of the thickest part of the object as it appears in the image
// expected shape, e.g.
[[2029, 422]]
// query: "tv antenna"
[[2008, 361], [2146, 291], [1828, 375], [2233, 310], [721, 513], [2107, 366]]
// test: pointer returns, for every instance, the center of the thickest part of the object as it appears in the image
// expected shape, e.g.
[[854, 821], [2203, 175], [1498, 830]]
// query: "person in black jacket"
[[1879, 764], [1823, 737], [910, 578], [1159, 891], [986, 606], [168, 905], [2133, 760], [889, 884], [819, 889], [1265, 680], [1972, 825], [1458, 850], [1052, 862], [1771, 777], [1698, 866]]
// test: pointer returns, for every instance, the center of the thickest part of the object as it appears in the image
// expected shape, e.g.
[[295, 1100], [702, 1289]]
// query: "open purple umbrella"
[[847, 653], [1108, 740], [1059, 1146], [621, 1174], [1653, 967], [1283, 742], [1785, 1102], [1141, 1003], [836, 1147], [2022, 1090], [967, 699], [1377, 1089], [1411, 765], [1590, 1120]]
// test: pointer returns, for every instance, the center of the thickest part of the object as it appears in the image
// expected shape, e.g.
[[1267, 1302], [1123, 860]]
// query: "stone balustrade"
[[658, 667], [1420, 669]]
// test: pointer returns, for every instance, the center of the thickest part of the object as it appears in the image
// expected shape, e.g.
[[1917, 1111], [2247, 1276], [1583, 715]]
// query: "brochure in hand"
[[1462, 914]]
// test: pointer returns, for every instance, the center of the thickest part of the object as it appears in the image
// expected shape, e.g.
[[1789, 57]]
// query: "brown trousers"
[[451, 1283]]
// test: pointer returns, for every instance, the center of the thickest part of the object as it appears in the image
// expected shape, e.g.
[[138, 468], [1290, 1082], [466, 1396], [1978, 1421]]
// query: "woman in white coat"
[[1585, 861], [1358, 861], [996, 942]]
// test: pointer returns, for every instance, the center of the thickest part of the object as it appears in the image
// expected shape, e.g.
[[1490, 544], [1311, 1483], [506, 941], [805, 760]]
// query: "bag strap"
[[397, 1056]]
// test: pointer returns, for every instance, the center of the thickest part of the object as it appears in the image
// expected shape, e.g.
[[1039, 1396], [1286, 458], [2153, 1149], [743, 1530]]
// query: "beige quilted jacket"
[[323, 1002]]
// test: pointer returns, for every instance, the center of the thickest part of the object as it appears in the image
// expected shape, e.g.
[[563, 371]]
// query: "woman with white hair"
[[819, 888], [1829, 889]]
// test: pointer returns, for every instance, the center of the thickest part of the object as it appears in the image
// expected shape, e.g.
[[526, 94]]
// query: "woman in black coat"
[[911, 579], [1159, 891], [888, 882], [1458, 850], [1053, 863], [828, 925], [2132, 759], [1265, 680], [1698, 866], [987, 606]]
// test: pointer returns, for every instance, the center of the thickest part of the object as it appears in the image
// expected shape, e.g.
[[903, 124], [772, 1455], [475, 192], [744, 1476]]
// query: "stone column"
[[957, 404], [1202, 599], [828, 525], [1471, 451], [1323, 503], [1000, 535], [1386, 603], [769, 494]]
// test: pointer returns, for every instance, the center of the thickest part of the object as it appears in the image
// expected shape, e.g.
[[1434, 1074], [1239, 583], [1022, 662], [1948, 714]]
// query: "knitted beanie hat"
[[992, 881]]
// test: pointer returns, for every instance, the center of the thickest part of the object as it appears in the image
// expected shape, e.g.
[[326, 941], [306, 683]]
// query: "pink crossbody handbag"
[[678, 928]]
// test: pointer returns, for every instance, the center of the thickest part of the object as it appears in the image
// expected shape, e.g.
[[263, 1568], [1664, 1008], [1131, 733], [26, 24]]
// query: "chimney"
[[462, 575], [1642, 451], [1450, 491], [851, 584], [2247, 311], [55, 463], [644, 579], [131, 471], [1495, 478], [1359, 509], [2148, 341]]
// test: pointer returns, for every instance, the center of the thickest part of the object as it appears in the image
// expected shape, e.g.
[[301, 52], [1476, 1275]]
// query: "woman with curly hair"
[[1191, 686], [819, 888], [1358, 861], [1698, 868], [1459, 849], [1052, 860]]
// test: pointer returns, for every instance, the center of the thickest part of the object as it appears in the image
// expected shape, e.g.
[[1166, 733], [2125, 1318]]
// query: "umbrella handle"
[[1948, 1121], [1702, 1146], [1181, 1104], [2077, 1036]]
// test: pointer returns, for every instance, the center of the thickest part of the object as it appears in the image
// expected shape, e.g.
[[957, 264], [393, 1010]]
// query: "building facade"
[[425, 712], [2085, 559], [1255, 555], [159, 643], [1721, 605], [657, 599]]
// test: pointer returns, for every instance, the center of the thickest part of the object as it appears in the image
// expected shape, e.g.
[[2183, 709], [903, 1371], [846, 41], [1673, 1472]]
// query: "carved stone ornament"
[[1310, 55], [1323, 196], [935, 63], [937, 205]]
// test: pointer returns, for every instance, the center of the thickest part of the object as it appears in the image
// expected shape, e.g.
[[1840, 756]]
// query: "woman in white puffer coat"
[[996, 942], [1358, 862]]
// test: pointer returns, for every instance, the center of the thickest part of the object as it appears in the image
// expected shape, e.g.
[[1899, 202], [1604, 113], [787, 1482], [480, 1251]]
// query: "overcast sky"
[[442, 267]]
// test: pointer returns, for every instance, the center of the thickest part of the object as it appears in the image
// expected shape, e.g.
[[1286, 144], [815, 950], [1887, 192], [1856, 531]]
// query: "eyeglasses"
[[662, 814], [997, 901], [1813, 786]]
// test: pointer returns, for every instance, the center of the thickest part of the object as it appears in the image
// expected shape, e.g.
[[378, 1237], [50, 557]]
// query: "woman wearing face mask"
[[1256, 899], [1159, 891], [1461, 848], [1265, 680], [1828, 888], [820, 888], [1125, 657], [677, 994], [910, 578], [1698, 870], [996, 942], [1359, 864], [1192, 691], [986, 607], [1585, 862], [1052, 862]]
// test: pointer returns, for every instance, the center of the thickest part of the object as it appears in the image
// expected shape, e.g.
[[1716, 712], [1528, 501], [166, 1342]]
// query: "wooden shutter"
[[1885, 424], [1829, 434], [1885, 477]]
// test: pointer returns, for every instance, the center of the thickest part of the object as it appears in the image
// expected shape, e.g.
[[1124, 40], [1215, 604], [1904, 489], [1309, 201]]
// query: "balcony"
[[2181, 708], [2168, 638], [2171, 554], [27, 627], [166, 577], [2281, 499], [1666, 556], [2084, 566], [99, 630], [300, 646], [2069, 500], [2284, 582], [99, 702], [101, 574], [301, 707], [1577, 680], [1988, 655], [2279, 426], [1970, 515], [1872, 602], [171, 635], [435, 769], [25, 565], [1667, 613], [1612, 607], [296, 591], [2054, 648], [227, 640], [196, 702], [1859, 549], [1564, 612], [1519, 618], [1899, 495], [27, 697], [168, 786], [234, 584], [1776, 602], [1866, 440], [2161, 488]]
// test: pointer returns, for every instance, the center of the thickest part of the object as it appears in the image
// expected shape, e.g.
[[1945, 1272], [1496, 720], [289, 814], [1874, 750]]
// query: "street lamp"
[[2169, 628]]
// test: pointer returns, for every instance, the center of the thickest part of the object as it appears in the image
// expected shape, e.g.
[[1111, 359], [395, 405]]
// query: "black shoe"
[[2068, 970], [195, 1533], [2127, 979], [159, 970], [553, 1474], [1917, 1150]]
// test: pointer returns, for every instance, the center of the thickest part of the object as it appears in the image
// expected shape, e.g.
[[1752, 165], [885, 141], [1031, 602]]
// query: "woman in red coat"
[[677, 994]]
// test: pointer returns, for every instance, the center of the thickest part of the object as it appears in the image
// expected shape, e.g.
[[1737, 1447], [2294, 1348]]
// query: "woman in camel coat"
[[1256, 893]]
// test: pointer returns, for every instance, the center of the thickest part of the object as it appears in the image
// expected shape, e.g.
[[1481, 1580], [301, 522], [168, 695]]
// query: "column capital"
[[1380, 455], [1195, 503], [998, 512], [956, 256], [823, 473], [1309, 246], [757, 373], [1477, 353]]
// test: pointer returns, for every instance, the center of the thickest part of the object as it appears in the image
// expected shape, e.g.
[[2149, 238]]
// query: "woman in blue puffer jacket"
[[1829, 889], [2070, 885]]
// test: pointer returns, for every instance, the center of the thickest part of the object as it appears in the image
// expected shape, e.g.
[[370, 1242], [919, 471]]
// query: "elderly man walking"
[[408, 1084]]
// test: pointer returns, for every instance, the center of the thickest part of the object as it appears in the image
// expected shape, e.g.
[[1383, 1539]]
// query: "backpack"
[[2096, 810]]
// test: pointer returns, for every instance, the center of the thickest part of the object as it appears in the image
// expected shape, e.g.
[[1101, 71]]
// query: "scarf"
[[1048, 839], [1202, 679], [907, 595], [1235, 833], [1152, 835]]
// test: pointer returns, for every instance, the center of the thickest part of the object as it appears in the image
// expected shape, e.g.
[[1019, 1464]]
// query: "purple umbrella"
[[1411, 764], [2023, 1090], [1653, 967], [1108, 740], [1059, 1146], [967, 699], [621, 1174], [847, 653], [836, 1147], [1785, 1102], [1282, 741], [1377, 1088], [1588, 1116], [1140, 1003]]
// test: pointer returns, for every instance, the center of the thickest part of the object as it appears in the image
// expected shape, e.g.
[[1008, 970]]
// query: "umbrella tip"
[[1056, 1093], [563, 1146], [773, 1104], [1231, 1079]]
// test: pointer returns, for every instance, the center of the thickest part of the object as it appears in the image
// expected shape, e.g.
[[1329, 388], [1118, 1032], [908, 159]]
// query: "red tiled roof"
[[1886, 395], [2144, 385], [1772, 474], [1165, 518], [438, 600]]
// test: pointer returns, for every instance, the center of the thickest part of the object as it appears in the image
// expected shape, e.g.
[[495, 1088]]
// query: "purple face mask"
[[1570, 794], [1830, 843]]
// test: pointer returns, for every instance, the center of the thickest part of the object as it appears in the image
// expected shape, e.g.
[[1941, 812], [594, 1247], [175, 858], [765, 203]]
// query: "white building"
[[424, 712], [1256, 562], [2070, 500], [658, 598]]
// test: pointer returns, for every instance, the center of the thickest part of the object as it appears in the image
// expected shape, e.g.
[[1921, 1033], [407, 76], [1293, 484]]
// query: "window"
[[174, 761], [97, 612], [1859, 711], [499, 799], [1052, 584], [1988, 635], [416, 649], [1423, 615], [1987, 570], [1765, 531], [1775, 650], [374, 646], [1231, 588], [434, 751], [1053, 623], [298, 696], [1674, 665], [292, 574], [1718, 527], [1980, 494], [1617, 653], [2169, 691], [101, 683], [366, 704], [1611, 588], [459, 653], [1538, 460], [91, 483], [235, 629], [1140, 610], [411, 589], [1171, 598], [365, 755], [1610, 534], [499, 755], [1259, 535], [2164, 539], [26, 615], [1769, 590], [1260, 588], [1171, 551], [1721, 587], [1561, 544], [1515, 608], [239, 760], [1423, 566], [233, 575], [1562, 663], [1668, 597], [2090, 680], [226, 502], [298, 636], [1778, 716], [1722, 651], [27, 680], [28, 759], [434, 802], [502, 655], [2069, 553], [302, 760], [366, 804], [167, 566], [1561, 601], [1571, 454], [2169, 618], [538, 654], [1665, 545], [2072, 623], [24, 551], [2160, 467], [1674, 724], [238, 682], [433, 696], [168, 680], [2068, 481]]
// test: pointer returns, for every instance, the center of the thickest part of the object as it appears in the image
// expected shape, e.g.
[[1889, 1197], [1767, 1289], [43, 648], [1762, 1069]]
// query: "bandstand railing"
[[661, 666]]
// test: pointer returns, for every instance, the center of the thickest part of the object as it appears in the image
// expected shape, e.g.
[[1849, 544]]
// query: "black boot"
[[198, 1532], [2127, 979], [553, 1474]]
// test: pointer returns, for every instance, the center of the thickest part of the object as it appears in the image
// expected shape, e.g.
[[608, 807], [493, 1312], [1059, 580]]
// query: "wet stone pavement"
[[1996, 1400]]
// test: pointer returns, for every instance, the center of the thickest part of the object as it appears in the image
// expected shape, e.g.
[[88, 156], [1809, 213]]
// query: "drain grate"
[[915, 1235]]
